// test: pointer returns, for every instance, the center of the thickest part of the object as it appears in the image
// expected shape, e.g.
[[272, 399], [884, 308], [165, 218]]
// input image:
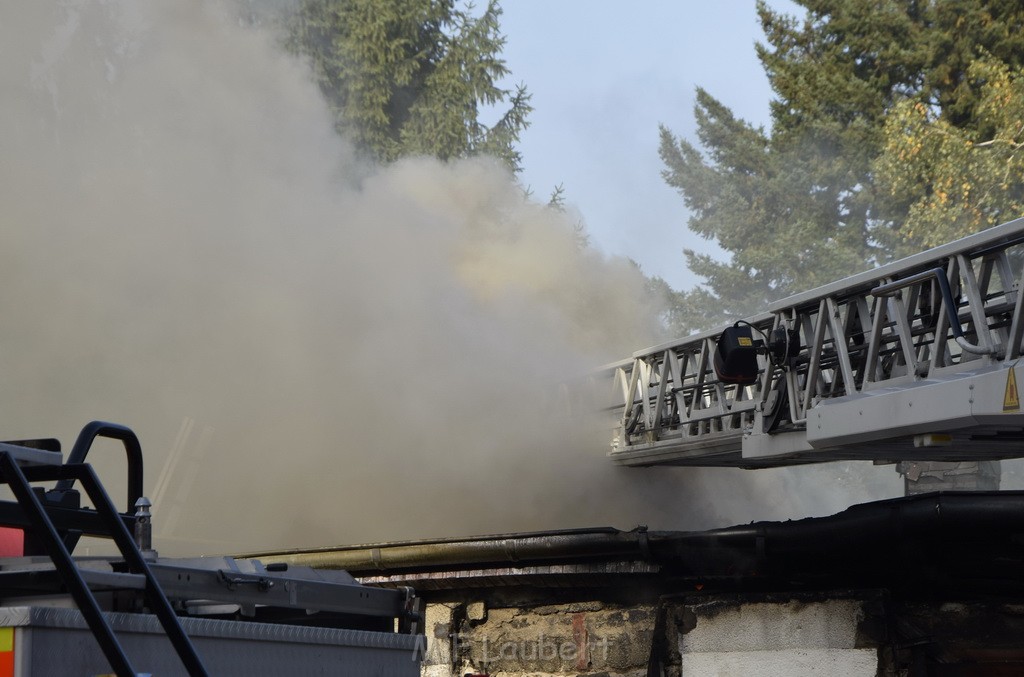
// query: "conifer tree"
[[801, 204], [413, 77]]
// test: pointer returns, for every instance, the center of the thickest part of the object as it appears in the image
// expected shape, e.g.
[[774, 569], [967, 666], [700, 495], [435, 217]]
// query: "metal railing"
[[930, 318], [19, 467]]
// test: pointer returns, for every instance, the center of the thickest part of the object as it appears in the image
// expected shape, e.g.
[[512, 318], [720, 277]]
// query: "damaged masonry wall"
[[915, 587], [839, 633], [591, 638], [596, 639]]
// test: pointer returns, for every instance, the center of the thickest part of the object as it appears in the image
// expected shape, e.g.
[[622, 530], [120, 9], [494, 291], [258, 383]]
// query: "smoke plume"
[[312, 351]]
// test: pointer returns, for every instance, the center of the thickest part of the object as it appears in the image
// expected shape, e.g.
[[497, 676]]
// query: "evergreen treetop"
[[413, 77], [803, 203]]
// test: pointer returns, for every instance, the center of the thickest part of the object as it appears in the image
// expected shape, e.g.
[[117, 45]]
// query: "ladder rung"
[[25, 456]]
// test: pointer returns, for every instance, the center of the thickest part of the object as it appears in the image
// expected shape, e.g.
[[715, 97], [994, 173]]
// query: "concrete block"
[[829, 624], [783, 663], [476, 611]]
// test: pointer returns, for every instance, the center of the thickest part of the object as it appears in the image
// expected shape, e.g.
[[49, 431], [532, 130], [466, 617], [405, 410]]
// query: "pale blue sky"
[[603, 75]]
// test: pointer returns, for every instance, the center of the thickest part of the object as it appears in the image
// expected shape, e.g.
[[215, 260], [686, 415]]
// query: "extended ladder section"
[[913, 360]]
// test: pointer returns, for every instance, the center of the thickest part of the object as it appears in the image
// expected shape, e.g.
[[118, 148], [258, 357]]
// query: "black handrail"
[[61, 558], [132, 448], [110, 523]]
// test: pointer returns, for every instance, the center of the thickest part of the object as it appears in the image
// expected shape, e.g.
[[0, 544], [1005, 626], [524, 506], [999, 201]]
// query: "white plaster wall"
[[438, 626], [783, 663], [791, 639]]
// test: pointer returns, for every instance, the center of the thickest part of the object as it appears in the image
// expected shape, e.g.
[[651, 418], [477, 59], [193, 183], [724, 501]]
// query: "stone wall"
[[580, 638], [708, 636]]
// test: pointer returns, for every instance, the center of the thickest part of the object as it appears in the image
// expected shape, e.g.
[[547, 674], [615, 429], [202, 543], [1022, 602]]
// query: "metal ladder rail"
[[80, 592], [19, 480], [675, 390], [670, 397]]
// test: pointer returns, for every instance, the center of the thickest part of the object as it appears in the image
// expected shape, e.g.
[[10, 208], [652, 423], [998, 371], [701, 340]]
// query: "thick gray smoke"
[[311, 351]]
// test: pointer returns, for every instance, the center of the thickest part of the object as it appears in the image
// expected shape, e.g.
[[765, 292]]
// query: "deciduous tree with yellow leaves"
[[955, 180], [895, 125]]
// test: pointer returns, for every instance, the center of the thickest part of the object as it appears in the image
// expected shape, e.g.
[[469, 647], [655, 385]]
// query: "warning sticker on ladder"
[[1011, 398]]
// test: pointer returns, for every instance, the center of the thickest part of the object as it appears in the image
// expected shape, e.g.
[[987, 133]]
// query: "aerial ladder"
[[913, 360]]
